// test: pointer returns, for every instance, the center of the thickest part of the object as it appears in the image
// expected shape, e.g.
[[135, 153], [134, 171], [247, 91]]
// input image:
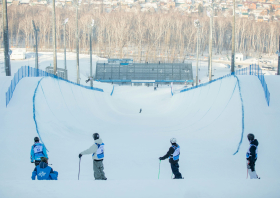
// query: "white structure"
[[239, 57], [18, 54], [180, 1]]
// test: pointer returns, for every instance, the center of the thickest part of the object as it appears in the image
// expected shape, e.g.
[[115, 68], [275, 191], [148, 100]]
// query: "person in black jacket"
[[252, 155], [173, 154]]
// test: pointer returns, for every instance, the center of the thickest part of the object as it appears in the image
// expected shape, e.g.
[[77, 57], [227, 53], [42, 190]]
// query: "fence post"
[[250, 70]]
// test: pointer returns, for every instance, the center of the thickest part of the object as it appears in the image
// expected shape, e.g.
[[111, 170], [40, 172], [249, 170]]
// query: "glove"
[[160, 158], [248, 166], [80, 155]]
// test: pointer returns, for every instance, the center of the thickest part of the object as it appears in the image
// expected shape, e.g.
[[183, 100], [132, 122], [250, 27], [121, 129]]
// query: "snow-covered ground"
[[206, 121]]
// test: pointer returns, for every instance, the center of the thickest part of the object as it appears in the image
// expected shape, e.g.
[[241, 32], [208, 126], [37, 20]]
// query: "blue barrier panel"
[[112, 91], [34, 112], [204, 84], [110, 81], [243, 121], [142, 81], [27, 71]]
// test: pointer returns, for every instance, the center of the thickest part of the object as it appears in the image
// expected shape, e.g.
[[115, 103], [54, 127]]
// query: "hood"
[[98, 141], [255, 142], [43, 165]]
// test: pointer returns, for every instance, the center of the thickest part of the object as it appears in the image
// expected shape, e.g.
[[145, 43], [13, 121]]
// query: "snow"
[[205, 121]]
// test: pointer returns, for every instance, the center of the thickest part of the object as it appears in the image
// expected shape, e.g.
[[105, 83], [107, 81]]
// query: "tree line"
[[145, 37]]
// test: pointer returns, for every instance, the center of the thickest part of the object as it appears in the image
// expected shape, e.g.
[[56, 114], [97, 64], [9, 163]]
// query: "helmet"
[[36, 139], [95, 136], [173, 140], [250, 136]]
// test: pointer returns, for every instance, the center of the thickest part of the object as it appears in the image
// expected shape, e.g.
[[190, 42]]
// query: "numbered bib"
[[38, 149]]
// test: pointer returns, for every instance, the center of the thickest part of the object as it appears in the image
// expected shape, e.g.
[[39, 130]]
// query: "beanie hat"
[[44, 159]]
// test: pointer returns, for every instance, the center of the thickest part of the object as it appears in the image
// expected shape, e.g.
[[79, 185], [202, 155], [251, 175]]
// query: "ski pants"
[[98, 170], [251, 169], [175, 170], [252, 165]]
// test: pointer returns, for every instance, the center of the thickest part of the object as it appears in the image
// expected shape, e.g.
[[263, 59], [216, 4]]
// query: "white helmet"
[[173, 140]]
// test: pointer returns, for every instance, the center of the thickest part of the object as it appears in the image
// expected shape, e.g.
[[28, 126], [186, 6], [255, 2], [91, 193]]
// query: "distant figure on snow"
[[88, 79], [97, 151], [140, 110], [38, 150], [252, 155], [43, 171], [173, 154]]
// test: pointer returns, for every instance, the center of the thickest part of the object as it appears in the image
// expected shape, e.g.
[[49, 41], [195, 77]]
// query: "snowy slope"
[[206, 122]]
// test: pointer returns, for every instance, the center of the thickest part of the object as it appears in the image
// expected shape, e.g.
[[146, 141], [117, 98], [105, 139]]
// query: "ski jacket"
[[44, 172], [173, 154], [97, 150], [252, 153], [38, 150]]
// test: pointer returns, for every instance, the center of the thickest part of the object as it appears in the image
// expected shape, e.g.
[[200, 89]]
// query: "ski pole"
[[247, 169], [159, 169], [79, 169]]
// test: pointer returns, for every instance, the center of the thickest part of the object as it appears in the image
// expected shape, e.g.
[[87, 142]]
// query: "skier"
[[252, 155], [173, 154], [38, 150], [97, 151], [140, 110], [43, 171]]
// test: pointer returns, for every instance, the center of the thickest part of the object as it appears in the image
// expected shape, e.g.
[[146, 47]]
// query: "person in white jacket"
[[97, 151]]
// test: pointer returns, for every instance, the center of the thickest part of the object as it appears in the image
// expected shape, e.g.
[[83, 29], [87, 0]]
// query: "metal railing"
[[27, 71], [141, 71]]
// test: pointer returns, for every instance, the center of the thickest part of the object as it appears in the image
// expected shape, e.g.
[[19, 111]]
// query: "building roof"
[[24, 1]]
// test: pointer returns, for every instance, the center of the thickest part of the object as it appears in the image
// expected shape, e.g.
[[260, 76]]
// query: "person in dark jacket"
[[43, 171], [252, 155], [173, 154]]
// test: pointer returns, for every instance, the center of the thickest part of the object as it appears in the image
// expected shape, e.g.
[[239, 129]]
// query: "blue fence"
[[252, 70], [256, 71], [27, 71], [143, 81]]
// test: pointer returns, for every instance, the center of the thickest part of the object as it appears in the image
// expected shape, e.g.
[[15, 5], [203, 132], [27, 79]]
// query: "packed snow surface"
[[207, 123]]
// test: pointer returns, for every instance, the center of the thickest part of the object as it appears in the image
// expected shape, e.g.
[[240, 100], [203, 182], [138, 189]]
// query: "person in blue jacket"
[[43, 171], [38, 150]]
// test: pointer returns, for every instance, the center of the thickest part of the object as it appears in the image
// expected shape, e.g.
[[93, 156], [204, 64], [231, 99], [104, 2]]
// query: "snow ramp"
[[207, 123]]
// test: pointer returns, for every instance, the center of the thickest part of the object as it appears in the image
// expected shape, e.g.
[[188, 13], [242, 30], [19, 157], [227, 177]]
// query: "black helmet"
[[250, 136], [95, 136], [36, 139]]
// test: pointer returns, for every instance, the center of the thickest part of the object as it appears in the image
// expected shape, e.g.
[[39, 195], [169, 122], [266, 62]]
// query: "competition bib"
[[38, 149]]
